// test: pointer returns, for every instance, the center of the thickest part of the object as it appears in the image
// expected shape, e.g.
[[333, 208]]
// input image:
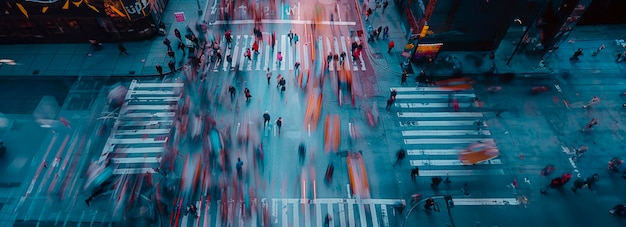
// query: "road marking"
[[434, 96], [142, 131], [148, 115], [155, 98], [135, 141], [427, 89], [469, 172], [434, 152], [170, 93], [140, 150], [436, 123], [450, 162], [277, 21], [446, 141], [441, 114], [136, 160], [145, 123], [446, 133], [431, 105], [133, 171], [159, 85], [485, 201]]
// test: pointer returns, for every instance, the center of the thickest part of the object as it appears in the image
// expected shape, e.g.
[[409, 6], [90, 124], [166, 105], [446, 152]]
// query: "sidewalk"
[[587, 37], [74, 60]]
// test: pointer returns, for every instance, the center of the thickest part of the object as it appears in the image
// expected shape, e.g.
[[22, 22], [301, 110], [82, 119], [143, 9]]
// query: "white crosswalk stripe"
[[305, 212], [434, 134], [292, 53], [137, 139]]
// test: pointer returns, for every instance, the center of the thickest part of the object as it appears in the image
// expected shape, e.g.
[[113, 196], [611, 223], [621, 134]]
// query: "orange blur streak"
[[336, 130]]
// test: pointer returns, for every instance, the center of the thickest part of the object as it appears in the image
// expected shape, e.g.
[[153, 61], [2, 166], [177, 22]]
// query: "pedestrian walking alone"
[[232, 91], [404, 77], [378, 31], [577, 54], [269, 76], [342, 57], [177, 34], [247, 54], [393, 94], [172, 66], [592, 122], [385, 32], [302, 152], [246, 92], [167, 43], [591, 102], [389, 103], [159, 69], [400, 154], [390, 46], [171, 54], [122, 49], [414, 173], [279, 123], [266, 119], [385, 4], [239, 167]]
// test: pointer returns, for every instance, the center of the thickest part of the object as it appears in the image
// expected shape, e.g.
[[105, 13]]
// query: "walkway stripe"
[[135, 141], [432, 105], [277, 21], [133, 171], [154, 99], [434, 152], [441, 114], [485, 201], [445, 141], [446, 133], [140, 150], [142, 131], [145, 123], [148, 115], [170, 93], [433, 96], [159, 85], [136, 160], [450, 162], [468, 172], [436, 123], [427, 89]]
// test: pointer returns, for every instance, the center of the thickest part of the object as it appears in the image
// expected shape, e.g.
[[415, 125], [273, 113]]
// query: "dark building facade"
[[480, 25], [65, 21]]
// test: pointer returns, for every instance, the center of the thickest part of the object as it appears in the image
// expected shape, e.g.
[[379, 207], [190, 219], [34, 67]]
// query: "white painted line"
[[154, 99], [268, 50], [285, 221], [446, 133], [159, 85], [342, 216], [436, 123], [259, 57], [141, 150], [485, 201], [427, 89], [351, 221], [136, 160], [133, 171], [170, 93], [283, 45], [142, 131], [149, 107], [446, 141], [468, 172], [347, 61], [144, 123], [361, 56], [362, 216], [384, 216], [374, 213], [450, 162], [433, 96], [277, 21], [135, 141], [434, 152], [236, 55], [329, 210], [431, 105], [441, 114], [295, 214], [244, 49], [148, 115]]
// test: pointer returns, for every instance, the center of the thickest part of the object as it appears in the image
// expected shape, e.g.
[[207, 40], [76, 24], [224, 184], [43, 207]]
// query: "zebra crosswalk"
[[142, 127], [296, 212], [304, 52], [434, 134]]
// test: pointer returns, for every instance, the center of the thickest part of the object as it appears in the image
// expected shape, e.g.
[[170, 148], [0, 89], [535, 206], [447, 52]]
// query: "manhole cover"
[[378, 55]]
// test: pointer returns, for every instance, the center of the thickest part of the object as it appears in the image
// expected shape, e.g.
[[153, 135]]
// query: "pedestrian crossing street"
[[304, 52], [306, 212], [434, 134], [144, 122]]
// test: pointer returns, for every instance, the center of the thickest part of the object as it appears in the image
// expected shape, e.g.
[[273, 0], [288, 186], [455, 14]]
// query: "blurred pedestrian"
[[400, 154], [327, 220], [455, 104], [592, 122], [342, 57], [290, 35], [232, 91], [279, 58], [239, 167], [266, 119], [122, 49], [379, 31], [435, 181], [279, 123], [385, 32], [385, 4], [218, 54], [171, 54], [269, 76], [591, 102], [393, 94], [295, 38], [167, 43], [405, 76], [302, 152], [414, 173], [159, 69], [399, 206], [389, 103], [368, 12], [428, 205], [255, 47], [577, 54], [246, 92], [229, 38], [172, 66], [390, 46], [177, 34], [247, 54]]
